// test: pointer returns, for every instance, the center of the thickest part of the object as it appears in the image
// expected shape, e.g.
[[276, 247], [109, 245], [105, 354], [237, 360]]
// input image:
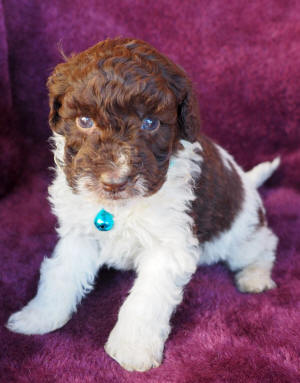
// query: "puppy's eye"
[[84, 122], [150, 124]]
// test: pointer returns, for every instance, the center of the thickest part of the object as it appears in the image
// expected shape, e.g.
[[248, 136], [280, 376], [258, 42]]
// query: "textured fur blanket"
[[244, 59]]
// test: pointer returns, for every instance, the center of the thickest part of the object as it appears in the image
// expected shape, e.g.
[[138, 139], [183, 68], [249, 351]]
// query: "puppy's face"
[[122, 108]]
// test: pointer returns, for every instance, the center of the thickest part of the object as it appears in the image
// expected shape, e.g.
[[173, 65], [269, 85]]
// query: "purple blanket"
[[244, 58]]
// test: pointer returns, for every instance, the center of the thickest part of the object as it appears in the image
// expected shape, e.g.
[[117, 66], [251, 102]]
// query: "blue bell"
[[104, 221]]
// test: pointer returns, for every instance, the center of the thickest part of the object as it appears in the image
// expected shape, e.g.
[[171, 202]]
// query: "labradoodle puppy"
[[139, 186]]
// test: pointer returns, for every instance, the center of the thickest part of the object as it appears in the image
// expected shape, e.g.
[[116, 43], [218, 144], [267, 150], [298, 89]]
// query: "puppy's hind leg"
[[65, 279], [253, 261]]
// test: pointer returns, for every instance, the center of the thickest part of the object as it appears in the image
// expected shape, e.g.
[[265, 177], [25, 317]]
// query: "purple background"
[[244, 58]]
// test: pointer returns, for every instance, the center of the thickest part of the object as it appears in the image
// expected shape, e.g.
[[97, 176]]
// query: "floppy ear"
[[54, 117], [57, 87], [188, 115]]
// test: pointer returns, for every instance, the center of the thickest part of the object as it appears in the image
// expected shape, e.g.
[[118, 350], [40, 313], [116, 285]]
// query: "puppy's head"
[[122, 108]]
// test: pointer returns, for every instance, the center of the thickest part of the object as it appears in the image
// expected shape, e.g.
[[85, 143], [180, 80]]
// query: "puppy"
[[139, 186]]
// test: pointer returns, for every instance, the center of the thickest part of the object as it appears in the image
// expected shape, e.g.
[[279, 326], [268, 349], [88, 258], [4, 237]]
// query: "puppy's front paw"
[[252, 280], [135, 348], [34, 320]]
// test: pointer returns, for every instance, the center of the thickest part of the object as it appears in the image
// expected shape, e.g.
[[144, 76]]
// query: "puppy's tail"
[[260, 173]]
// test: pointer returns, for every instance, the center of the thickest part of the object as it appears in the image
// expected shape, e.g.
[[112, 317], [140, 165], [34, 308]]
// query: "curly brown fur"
[[118, 83]]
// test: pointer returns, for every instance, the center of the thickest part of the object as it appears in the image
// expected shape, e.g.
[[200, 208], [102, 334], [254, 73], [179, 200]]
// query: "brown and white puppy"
[[125, 125]]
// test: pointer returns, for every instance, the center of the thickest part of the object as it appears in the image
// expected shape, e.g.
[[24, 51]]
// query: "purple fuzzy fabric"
[[244, 58]]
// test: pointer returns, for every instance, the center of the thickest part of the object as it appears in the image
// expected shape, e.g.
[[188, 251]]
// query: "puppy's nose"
[[113, 181]]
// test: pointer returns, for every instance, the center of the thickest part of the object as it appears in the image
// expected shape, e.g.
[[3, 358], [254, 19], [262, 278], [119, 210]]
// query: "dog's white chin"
[[116, 196]]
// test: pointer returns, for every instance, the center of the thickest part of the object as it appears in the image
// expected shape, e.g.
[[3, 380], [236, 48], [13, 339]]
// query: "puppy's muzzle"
[[113, 181]]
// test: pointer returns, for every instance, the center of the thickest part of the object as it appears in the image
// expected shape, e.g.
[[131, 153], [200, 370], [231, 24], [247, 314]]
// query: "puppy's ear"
[[57, 86], [54, 117], [188, 115]]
